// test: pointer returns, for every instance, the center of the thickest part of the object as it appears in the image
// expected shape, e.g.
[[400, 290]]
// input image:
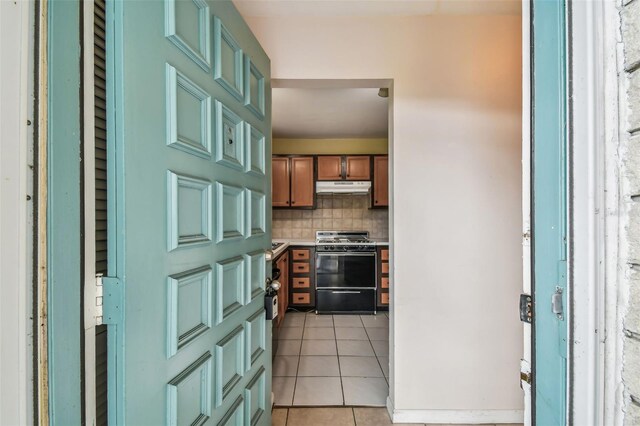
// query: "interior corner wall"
[[456, 194]]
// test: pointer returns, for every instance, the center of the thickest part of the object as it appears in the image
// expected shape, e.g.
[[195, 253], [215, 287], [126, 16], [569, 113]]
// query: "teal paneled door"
[[549, 212], [190, 127]]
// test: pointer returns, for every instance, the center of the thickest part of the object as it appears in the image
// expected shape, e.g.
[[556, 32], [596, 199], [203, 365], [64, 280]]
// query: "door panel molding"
[[197, 287]]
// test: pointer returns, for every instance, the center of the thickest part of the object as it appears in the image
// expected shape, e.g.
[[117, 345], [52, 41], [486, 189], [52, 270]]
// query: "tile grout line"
[[379, 364], [378, 359], [295, 383], [335, 341]]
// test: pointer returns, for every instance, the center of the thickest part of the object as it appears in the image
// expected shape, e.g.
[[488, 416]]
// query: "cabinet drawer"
[[384, 282], [300, 254], [385, 267], [300, 268], [300, 298], [384, 254], [302, 282], [384, 298]]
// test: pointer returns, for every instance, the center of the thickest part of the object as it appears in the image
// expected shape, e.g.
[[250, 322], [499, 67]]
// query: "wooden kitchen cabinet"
[[300, 298], [301, 282], [358, 168], [280, 183], [330, 167], [384, 255], [300, 254], [302, 290], [282, 263], [380, 181], [292, 182], [302, 185], [337, 167], [384, 282], [383, 277]]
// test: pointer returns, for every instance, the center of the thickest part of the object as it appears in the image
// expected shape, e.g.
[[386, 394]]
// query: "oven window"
[[345, 270]]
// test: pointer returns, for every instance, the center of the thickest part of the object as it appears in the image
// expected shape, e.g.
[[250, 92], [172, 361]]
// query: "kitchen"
[[330, 259]]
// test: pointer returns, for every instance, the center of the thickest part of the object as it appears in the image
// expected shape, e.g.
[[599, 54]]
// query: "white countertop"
[[278, 251], [296, 241], [380, 241]]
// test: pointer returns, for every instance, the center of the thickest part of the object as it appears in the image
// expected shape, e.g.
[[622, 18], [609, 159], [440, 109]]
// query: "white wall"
[[456, 194], [15, 344]]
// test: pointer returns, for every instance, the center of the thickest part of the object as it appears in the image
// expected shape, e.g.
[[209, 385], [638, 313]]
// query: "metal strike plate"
[[556, 303], [526, 308]]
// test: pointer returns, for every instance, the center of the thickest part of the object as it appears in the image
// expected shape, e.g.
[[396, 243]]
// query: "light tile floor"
[[332, 360], [337, 416]]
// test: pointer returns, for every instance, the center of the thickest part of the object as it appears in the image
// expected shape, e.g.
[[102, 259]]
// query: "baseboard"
[[455, 416]]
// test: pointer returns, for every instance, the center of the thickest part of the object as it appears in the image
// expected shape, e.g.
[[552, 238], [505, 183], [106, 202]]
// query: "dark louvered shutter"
[[100, 82], [101, 136]]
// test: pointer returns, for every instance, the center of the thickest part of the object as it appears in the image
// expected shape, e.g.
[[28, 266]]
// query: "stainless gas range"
[[345, 272]]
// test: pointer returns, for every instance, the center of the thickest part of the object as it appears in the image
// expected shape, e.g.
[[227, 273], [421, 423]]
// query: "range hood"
[[343, 187]]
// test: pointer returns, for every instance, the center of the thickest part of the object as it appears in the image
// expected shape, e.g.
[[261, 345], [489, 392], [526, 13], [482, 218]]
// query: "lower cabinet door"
[[343, 301]]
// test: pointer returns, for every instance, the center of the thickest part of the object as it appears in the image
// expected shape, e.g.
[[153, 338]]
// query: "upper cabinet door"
[[381, 181], [302, 182], [280, 183], [358, 168], [330, 167]]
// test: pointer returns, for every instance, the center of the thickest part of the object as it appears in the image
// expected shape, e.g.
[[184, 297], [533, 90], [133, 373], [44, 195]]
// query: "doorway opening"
[[331, 224]]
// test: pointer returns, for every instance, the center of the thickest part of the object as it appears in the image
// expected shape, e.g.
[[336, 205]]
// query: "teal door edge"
[[64, 270], [115, 210], [549, 211]]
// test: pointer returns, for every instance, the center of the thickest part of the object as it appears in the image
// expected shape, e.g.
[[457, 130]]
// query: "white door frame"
[[586, 222], [596, 340], [17, 20], [594, 315], [525, 364]]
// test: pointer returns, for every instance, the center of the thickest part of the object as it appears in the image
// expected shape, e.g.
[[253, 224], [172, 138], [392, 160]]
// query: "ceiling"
[[345, 8], [329, 113]]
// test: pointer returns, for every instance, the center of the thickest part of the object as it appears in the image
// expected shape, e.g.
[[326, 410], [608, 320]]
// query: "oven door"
[[346, 270]]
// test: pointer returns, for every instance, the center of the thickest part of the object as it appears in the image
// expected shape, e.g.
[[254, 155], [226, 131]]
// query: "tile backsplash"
[[334, 212]]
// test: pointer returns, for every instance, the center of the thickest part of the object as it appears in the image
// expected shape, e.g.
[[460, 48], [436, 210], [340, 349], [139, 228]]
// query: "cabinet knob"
[[293, 202]]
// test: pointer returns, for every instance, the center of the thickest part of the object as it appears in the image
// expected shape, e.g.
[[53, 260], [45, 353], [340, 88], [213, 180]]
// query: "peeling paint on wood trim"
[[42, 373]]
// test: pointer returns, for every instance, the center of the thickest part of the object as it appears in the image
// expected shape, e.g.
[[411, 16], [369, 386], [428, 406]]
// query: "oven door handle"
[[345, 292], [342, 253]]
